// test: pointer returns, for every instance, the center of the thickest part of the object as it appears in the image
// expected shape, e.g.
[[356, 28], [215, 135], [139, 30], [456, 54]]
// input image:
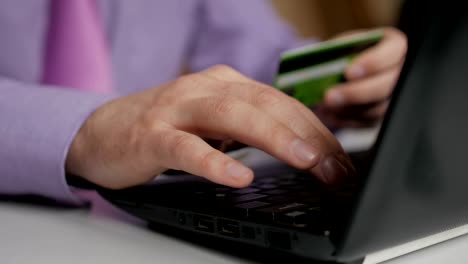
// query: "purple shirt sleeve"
[[246, 35], [38, 125]]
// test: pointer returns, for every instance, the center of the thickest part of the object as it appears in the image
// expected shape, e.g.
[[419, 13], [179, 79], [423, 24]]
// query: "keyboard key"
[[288, 207], [294, 217], [287, 176], [244, 208], [270, 213], [267, 186], [251, 205], [267, 180], [275, 192], [247, 197], [281, 199], [245, 191], [221, 196], [313, 210], [309, 216]]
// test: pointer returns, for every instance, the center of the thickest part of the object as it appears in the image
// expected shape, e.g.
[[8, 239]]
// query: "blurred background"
[[326, 18]]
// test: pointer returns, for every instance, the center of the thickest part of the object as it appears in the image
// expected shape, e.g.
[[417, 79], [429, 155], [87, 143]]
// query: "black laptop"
[[411, 184]]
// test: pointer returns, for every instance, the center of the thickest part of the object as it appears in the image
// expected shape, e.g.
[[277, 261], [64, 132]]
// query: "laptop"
[[411, 184]]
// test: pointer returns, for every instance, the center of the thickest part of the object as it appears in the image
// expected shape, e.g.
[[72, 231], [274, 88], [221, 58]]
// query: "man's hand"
[[130, 140], [363, 100]]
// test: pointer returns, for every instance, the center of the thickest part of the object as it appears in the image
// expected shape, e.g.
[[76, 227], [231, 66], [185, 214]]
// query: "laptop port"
[[203, 223], [228, 228]]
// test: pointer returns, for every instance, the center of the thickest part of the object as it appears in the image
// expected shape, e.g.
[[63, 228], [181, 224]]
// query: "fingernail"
[[336, 98], [333, 169], [356, 72], [237, 171], [303, 150], [344, 159]]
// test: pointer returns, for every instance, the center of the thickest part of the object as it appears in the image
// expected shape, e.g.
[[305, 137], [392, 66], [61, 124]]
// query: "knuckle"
[[373, 63], [404, 44], [396, 32], [224, 88], [299, 125], [179, 144], [151, 121], [208, 160], [183, 81], [315, 139], [267, 97], [350, 92], [224, 105], [221, 69], [185, 84], [321, 142], [137, 137], [400, 38], [179, 88], [277, 133]]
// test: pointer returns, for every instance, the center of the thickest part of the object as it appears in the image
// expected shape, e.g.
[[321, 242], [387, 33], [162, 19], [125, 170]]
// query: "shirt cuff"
[[38, 125]]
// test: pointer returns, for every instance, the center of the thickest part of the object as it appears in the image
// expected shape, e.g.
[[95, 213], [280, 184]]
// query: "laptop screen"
[[417, 184]]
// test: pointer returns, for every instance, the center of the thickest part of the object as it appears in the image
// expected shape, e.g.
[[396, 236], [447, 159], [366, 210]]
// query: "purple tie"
[[76, 52]]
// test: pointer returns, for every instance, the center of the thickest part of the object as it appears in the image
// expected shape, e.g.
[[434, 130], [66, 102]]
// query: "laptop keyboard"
[[295, 200], [286, 198]]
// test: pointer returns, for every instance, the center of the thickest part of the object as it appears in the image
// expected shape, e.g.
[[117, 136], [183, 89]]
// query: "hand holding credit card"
[[306, 73]]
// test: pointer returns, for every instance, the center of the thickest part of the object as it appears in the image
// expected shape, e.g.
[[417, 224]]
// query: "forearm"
[[38, 126]]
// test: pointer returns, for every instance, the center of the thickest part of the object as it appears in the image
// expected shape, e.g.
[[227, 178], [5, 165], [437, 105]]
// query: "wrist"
[[75, 155]]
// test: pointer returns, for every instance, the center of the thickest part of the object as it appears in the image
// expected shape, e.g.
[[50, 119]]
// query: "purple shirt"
[[150, 41]]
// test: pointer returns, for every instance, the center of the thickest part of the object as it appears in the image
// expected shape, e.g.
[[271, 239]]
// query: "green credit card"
[[307, 72]]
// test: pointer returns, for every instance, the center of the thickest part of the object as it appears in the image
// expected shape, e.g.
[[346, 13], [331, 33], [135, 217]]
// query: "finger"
[[355, 118], [366, 91], [377, 112], [354, 123], [367, 111], [267, 97], [302, 121], [242, 122], [245, 123], [288, 111], [389, 52], [187, 152]]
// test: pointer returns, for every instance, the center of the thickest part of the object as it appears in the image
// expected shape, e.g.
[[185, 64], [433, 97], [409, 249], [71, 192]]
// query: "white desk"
[[39, 235]]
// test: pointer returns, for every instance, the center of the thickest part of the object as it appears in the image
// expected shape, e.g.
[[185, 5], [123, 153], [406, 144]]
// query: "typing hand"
[[128, 141], [363, 100]]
